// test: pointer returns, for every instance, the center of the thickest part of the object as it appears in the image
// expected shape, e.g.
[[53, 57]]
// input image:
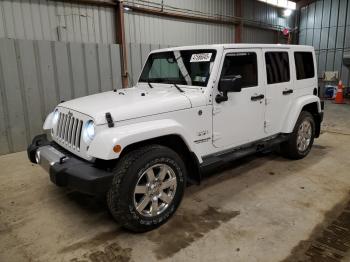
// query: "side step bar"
[[226, 156]]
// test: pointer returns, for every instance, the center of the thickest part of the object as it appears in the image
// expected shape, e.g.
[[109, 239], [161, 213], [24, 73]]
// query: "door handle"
[[256, 98], [287, 92]]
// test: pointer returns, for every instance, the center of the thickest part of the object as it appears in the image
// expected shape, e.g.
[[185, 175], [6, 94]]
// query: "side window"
[[277, 67], [304, 65], [243, 64]]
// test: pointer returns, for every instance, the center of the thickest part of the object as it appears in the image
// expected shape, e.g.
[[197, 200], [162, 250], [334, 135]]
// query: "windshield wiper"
[[178, 88], [150, 85]]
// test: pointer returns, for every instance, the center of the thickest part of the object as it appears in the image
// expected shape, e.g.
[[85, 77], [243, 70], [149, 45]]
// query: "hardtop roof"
[[238, 46]]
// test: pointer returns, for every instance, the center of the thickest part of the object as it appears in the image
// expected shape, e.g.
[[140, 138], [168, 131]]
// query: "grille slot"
[[69, 130]]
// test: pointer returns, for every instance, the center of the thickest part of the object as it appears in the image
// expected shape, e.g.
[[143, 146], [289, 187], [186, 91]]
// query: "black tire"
[[289, 148], [120, 198]]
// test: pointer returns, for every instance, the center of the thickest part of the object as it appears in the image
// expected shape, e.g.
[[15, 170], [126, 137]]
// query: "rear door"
[[279, 88]]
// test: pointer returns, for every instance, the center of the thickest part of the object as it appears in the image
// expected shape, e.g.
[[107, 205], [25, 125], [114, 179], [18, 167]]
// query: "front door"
[[240, 119]]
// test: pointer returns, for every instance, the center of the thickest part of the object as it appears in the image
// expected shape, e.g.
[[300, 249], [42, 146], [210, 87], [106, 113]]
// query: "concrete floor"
[[262, 208]]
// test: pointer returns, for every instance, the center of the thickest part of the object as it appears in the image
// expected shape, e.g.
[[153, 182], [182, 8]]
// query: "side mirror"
[[228, 84]]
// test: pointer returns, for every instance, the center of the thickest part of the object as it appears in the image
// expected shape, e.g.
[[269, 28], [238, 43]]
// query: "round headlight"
[[56, 115], [89, 131]]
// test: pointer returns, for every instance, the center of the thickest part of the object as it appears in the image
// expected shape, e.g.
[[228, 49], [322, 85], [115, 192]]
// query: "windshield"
[[188, 67]]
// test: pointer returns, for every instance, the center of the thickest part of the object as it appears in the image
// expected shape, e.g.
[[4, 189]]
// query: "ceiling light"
[[287, 12]]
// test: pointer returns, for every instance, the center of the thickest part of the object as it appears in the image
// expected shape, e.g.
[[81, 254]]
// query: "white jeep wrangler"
[[192, 108]]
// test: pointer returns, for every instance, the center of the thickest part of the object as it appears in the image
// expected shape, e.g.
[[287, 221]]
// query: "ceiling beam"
[[159, 12]]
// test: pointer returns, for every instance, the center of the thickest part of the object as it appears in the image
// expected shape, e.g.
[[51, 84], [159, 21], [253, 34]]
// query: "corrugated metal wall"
[[137, 55], [36, 75], [56, 21], [142, 28], [257, 35], [266, 14], [325, 24]]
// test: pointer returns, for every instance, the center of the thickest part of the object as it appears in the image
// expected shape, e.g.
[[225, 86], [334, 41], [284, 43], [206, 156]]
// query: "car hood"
[[129, 103]]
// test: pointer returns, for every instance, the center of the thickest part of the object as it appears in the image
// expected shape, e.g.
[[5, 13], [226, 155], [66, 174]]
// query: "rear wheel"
[[302, 138], [147, 188]]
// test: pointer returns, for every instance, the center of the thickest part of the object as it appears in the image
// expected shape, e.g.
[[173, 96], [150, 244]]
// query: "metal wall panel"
[[56, 21], [36, 75], [326, 25], [266, 15], [150, 29], [257, 35]]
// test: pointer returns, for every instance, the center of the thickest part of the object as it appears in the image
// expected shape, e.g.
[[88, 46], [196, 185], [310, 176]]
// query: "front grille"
[[68, 130]]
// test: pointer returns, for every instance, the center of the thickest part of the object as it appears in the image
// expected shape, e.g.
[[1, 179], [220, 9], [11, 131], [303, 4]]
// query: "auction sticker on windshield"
[[203, 57]]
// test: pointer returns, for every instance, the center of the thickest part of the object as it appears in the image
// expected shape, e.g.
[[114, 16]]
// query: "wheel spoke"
[[155, 207], [170, 182], [165, 198], [150, 175], [162, 173], [140, 190], [298, 139], [143, 203]]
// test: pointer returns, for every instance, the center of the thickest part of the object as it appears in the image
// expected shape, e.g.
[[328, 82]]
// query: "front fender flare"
[[102, 145], [295, 111]]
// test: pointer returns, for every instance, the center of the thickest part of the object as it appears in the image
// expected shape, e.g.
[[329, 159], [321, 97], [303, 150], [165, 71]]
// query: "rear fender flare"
[[296, 109]]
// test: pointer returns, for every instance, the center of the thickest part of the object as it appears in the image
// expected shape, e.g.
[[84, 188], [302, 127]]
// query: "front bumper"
[[66, 169]]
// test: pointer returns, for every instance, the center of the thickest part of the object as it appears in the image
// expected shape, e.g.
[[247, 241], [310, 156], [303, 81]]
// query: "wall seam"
[[4, 19], [40, 80], [68, 46], [336, 36], [329, 24], [55, 71], [85, 69], [22, 91], [114, 85], [6, 108], [98, 69], [344, 38]]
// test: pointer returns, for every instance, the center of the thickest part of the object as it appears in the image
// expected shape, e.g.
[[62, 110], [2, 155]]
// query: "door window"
[[242, 64], [304, 65], [277, 67]]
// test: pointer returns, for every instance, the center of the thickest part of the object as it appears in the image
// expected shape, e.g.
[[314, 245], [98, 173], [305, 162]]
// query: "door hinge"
[[266, 124], [216, 110], [216, 136], [267, 100]]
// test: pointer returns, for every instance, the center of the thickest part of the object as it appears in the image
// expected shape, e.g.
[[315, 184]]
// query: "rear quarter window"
[[304, 65]]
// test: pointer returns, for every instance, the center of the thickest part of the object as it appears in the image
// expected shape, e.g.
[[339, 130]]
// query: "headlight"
[[89, 131], [56, 115]]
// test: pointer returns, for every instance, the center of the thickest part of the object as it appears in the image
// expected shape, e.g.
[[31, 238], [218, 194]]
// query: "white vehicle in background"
[[193, 108]]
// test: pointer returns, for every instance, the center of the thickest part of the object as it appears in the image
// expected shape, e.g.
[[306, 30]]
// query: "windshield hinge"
[[216, 136]]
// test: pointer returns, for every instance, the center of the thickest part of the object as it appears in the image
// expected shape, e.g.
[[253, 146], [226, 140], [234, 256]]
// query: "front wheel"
[[147, 188], [301, 140]]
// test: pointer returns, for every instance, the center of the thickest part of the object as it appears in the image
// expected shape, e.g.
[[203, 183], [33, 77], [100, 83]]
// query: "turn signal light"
[[117, 148]]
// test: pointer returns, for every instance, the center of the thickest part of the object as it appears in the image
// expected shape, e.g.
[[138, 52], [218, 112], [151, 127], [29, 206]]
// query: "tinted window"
[[243, 64], [304, 65], [277, 67]]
